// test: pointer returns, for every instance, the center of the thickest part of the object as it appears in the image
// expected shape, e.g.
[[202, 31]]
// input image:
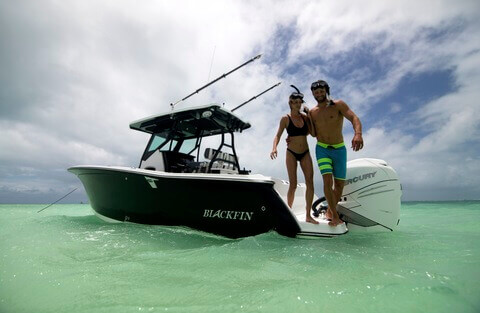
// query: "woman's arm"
[[276, 139]]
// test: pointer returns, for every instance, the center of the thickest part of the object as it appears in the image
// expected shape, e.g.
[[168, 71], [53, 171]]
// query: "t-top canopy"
[[189, 123]]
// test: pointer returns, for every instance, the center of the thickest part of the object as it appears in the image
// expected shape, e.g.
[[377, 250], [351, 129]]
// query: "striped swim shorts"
[[332, 159]]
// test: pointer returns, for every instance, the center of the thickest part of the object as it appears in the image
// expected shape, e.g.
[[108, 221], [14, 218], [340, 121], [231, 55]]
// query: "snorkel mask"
[[320, 84], [323, 84], [297, 94]]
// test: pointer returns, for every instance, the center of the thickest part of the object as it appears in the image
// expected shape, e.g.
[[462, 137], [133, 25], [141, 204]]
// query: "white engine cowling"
[[371, 196]]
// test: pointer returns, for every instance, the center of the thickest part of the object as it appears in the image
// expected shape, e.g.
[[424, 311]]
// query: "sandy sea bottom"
[[65, 259]]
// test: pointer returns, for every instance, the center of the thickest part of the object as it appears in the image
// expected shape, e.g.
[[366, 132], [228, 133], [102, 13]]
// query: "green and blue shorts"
[[332, 159]]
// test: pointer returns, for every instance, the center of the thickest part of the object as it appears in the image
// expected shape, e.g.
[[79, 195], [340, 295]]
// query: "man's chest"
[[328, 115]]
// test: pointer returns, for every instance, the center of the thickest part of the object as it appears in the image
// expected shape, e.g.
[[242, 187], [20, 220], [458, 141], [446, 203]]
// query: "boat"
[[181, 182], [185, 180]]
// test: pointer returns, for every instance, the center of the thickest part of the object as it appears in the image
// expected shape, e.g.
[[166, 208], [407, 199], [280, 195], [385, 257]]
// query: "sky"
[[74, 74]]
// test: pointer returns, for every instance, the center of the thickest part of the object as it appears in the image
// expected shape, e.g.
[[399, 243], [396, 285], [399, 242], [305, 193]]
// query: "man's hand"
[[357, 142]]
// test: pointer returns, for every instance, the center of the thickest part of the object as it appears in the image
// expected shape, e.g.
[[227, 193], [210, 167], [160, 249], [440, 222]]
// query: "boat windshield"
[[184, 155], [161, 143], [156, 142], [188, 146]]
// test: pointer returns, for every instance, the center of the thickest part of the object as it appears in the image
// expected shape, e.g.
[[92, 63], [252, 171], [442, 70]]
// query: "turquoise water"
[[65, 259]]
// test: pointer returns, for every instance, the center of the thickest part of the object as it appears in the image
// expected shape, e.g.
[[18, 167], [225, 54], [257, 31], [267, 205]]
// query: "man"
[[327, 123]]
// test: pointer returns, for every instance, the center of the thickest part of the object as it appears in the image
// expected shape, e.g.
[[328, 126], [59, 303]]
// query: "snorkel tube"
[[298, 95]]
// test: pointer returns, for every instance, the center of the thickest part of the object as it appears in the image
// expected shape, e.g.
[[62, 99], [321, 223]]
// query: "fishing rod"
[[215, 80], [241, 105], [57, 200]]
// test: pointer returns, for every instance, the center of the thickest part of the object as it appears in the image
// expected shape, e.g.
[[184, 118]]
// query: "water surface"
[[65, 259]]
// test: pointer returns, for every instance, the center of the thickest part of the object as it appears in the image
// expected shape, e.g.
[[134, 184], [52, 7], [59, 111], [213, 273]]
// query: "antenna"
[[241, 105], [215, 80]]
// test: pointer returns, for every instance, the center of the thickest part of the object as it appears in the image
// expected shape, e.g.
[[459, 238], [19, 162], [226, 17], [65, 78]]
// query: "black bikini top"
[[293, 130]]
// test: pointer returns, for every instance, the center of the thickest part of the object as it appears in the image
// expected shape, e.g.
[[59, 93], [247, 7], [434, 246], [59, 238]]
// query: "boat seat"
[[197, 167], [176, 162], [223, 161]]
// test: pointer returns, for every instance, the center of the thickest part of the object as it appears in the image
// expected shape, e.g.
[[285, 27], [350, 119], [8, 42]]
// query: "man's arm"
[[357, 141], [311, 126]]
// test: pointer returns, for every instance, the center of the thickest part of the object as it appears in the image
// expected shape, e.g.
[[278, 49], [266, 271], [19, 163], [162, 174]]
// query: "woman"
[[298, 127]]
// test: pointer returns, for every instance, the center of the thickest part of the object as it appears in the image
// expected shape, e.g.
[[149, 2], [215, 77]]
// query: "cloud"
[[75, 74]]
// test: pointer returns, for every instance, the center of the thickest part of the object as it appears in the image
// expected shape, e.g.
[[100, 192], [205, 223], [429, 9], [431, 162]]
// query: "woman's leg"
[[292, 177], [307, 168]]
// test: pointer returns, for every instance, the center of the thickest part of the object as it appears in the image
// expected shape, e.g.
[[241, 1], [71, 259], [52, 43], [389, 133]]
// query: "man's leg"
[[338, 191], [339, 183], [325, 164], [331, 200], [339, 156]]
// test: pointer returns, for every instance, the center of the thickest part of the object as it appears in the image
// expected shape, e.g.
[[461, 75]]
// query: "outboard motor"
[[371, 196]]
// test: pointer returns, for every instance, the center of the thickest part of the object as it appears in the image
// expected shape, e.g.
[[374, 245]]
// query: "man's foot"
[[335, 222], [310, 219]]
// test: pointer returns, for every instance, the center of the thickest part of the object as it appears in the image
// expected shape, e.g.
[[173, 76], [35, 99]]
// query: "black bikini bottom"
[[298, 156]]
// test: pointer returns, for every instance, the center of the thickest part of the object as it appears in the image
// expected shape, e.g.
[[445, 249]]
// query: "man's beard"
[[321, 98]]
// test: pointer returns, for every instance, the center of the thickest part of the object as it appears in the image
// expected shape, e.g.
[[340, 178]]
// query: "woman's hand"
[[273, 154], [287, 140]]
